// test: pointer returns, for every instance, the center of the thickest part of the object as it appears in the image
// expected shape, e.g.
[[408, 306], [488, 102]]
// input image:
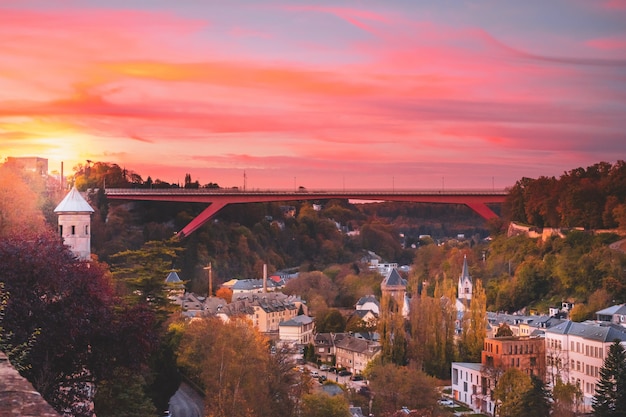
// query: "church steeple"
[[75, 223], [465, 282]]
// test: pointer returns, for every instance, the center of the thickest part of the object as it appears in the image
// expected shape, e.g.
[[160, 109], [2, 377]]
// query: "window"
[[73, 230], [533, 361], [61, 230], [86, 229]]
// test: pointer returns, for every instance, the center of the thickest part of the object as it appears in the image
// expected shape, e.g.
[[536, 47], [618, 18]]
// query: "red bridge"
[[218, 198]]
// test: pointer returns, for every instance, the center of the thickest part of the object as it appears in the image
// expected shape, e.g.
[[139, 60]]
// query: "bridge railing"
[[354, 192]]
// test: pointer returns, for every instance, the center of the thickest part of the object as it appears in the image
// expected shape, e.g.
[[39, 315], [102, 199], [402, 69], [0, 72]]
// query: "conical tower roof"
[[173, 278], [73, 203], [393, 279]]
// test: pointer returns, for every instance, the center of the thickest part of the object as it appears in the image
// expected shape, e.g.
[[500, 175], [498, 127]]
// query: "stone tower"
[[394, 286], [75, 223], [465, 283]]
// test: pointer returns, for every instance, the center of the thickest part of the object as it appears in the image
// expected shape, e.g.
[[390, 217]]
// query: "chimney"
[[210, 290], [264, 278]]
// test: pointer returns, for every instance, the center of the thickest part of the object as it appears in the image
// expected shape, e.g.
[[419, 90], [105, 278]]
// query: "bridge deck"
[[218, 198]]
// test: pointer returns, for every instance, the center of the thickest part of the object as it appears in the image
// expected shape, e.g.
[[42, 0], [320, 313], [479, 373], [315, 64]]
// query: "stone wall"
[[17, 395]]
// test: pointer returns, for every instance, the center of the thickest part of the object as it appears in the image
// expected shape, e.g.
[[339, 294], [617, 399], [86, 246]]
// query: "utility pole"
[[210, 290]]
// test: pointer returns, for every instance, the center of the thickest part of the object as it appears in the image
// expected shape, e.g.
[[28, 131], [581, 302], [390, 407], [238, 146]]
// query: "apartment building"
[[473, 383], [575, 352]]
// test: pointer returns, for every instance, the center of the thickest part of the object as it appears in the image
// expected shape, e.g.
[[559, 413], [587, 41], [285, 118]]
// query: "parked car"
[[315, 374], [345, 373], [357, 378], [324, 367], [446, 402]]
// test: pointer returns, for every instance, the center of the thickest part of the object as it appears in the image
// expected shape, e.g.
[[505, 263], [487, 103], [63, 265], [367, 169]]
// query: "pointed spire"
[[465, 271]]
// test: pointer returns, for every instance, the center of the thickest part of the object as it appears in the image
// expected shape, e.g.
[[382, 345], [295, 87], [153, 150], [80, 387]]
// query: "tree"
[[141, 274], [567, 398], [511, 393], [537, 399], [323, 405], [474, 325], [610, 397], [81, 327], [227, 359], [397, 386], [504, 331], [224, 293], [124, 390], [432, 323], [330, 321]]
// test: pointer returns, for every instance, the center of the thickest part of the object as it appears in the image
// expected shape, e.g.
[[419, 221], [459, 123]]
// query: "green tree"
[[123, 394], [610, 397], [323, 405], [537, 399], [141, 274], [330, 321]]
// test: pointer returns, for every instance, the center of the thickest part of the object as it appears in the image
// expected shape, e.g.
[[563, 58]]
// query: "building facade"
[[575, 353], [354, 354]]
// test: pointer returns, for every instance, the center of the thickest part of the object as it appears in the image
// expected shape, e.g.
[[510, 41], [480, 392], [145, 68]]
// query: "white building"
[[472, 386], [74, 220], [298, 330], [575, 352], [368, 302]]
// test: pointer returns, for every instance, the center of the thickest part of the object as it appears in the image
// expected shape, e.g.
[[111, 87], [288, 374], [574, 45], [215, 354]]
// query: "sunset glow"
[[327, 94]]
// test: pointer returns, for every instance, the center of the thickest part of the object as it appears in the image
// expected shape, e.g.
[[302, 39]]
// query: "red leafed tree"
[[81, 330]]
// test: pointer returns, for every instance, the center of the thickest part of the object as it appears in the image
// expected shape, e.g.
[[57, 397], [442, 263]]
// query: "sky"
[[378, 94]]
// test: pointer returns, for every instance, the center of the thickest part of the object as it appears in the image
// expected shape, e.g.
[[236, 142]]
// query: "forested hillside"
[[592, 198]]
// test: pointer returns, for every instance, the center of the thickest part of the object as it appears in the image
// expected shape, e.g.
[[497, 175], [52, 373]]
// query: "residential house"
[[368, 302], [354, 354], [298, 330], [615, 314], [368, 318]]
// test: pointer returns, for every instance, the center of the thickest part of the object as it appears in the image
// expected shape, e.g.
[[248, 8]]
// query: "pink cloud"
[[614, 4], [607, 43]]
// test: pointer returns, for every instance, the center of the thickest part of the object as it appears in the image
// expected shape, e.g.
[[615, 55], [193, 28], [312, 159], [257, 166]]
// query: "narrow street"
[[186, 402]]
